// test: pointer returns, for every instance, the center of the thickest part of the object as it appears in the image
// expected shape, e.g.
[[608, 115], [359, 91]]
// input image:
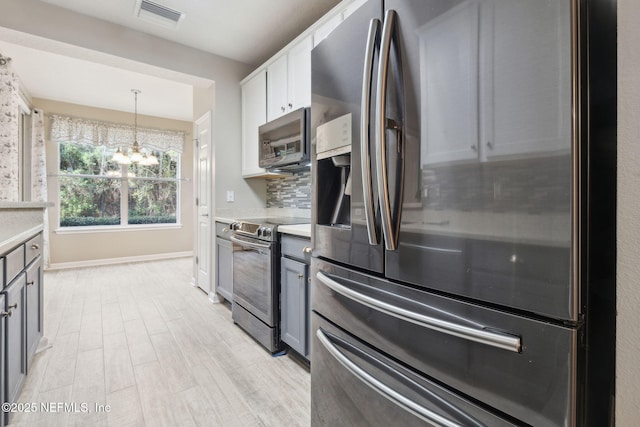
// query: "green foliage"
[[161, 219], [88, 221], [86, 201]]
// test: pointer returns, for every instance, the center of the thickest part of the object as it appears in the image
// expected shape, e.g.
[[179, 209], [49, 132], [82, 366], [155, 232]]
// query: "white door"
[[203, 200]]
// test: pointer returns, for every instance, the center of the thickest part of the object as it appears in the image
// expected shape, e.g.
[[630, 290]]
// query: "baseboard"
[[123, 260]]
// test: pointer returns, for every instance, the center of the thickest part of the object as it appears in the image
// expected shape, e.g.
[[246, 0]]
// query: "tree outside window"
[[95, 191]]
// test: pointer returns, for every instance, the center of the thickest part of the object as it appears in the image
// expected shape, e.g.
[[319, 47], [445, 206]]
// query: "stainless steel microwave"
[[284, 142]]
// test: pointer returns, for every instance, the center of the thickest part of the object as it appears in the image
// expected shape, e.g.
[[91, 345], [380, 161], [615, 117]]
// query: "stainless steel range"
[[256, 278]]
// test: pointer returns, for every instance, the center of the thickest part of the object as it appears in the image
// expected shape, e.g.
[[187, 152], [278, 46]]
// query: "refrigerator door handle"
[[365, 137], [478, 334], [383, 123], [386, 391]]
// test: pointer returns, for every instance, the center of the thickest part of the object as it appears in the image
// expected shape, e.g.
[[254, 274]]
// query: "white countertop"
[[302, 230]]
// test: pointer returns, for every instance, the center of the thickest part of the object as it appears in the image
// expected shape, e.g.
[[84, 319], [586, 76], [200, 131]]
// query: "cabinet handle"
[[30, 283], [6, 313], [13, 306], [490, 144], [282, 108], [35, 246], [300, 275], [473, 147], [290, 105], [306, 250]]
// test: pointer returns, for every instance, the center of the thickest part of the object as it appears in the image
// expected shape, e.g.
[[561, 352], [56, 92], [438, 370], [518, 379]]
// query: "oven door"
[[252, 281]]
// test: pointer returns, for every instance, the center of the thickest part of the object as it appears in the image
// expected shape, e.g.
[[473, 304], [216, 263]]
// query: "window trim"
[[124, 200]]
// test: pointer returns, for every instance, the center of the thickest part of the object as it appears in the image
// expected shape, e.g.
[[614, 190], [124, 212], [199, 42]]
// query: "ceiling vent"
[[158, 14]]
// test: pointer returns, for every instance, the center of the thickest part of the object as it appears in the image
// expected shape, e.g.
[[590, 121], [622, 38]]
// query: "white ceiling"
[[62, 78], [248, 31]]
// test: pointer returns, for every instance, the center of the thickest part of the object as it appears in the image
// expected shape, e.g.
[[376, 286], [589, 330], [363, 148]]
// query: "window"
[[95, 191]]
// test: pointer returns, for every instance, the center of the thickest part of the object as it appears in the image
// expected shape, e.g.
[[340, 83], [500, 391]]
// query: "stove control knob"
[[266, 232]]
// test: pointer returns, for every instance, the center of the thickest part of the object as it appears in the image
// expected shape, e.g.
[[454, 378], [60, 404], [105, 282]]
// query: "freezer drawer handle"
[[480, 334], [386, 391]]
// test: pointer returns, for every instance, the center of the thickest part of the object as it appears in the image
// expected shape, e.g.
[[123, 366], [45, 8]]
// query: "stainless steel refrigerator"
[[464, 214]]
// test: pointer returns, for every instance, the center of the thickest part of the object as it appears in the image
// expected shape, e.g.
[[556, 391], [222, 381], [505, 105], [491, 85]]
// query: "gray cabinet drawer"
[[33, 248], [296, 247], [223, 230], [14, 263]]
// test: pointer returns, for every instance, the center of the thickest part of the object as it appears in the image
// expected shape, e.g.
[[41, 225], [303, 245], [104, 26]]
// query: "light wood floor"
[[140, 338]]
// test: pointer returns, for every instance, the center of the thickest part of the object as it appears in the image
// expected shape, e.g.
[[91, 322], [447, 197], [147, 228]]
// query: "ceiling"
[[248, 31]]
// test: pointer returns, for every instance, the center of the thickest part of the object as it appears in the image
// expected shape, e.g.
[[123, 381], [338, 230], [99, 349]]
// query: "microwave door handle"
[[365, 137], [382, 124]]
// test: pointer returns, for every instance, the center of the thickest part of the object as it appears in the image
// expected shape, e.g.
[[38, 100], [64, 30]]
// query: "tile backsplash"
[[530, 186], [290, 192]]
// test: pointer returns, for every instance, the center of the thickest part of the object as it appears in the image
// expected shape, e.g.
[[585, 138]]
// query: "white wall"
[[628, 216]]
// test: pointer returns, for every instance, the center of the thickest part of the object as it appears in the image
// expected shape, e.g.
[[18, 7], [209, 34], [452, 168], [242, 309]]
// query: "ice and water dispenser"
[[333, 154]]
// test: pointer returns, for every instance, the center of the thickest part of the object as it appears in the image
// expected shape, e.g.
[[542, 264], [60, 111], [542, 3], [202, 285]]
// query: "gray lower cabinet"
[[224, 261], [2, 353], [21, 314], [34, 309], [294, 294], [15, 351]]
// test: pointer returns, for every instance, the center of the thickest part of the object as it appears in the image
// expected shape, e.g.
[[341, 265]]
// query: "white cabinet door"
[[299, 75], [448, 49], [289, 80], [277, 98], [254, 114], [526, 77]]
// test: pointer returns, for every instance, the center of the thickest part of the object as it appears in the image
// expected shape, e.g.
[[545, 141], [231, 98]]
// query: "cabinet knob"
[[290, 105], [13, 306], [225, 230], [490, 144], [30, 283], [306, 250], [6, 314], [282, 109], [473, 147], [300, 275], [35, 246]]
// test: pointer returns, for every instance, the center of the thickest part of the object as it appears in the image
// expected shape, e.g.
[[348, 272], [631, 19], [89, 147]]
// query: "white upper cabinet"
[[449, 81], [299, 74], [495, 78], [254, 114], [526, 77], [326, 28], [289, 80], [352, 7]]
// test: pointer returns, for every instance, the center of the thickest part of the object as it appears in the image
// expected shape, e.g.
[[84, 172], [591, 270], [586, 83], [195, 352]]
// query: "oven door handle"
[[249, 244], [477, 334]]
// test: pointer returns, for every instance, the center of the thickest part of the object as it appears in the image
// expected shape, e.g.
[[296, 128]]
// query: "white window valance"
[[85, 131]]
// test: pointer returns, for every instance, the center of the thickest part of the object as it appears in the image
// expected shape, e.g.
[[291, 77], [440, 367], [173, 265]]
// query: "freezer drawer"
[[354, 384], [521, 367]]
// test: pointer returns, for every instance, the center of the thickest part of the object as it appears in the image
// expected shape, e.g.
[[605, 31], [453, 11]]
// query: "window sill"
[[116, 228]]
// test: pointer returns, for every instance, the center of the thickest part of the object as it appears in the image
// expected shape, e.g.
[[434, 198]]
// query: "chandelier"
[[122, 157]]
